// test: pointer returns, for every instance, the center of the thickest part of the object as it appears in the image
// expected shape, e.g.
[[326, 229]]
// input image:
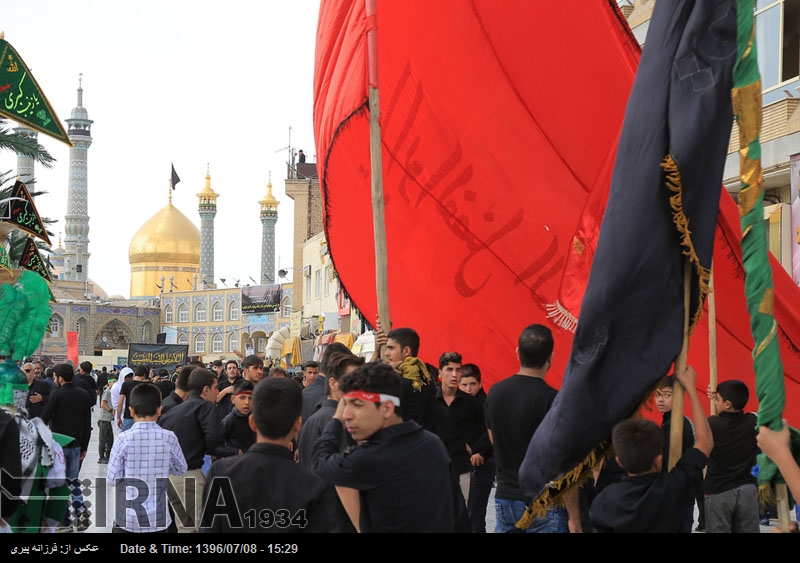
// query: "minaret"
[[269, 216], [208, 210], [76, 241], [25, 163]]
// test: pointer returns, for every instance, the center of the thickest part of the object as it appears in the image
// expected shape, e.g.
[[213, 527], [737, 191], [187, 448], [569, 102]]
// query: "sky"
[[224, 87]]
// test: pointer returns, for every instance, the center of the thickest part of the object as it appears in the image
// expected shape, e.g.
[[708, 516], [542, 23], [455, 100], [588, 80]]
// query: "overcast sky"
[[195, 83]]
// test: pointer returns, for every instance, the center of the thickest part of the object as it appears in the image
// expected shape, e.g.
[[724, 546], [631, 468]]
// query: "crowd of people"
[[392, 444]]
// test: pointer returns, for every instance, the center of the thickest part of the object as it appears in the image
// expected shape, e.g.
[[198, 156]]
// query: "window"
[[233, 342], [308, 286], [778, 42], [327, 280], [217, 313], [287, 307], [168, 314], [200, 313], [234, 316], [200, 343], [183, 339], [216, 343], [261, 345], [317, 283], [147, 332], [55, 326], [183, 314]]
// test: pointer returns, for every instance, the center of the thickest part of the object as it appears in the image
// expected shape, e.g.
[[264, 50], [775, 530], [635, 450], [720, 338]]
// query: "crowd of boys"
[[389, 445]]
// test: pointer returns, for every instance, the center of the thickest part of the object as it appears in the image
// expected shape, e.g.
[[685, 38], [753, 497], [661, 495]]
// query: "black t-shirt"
[[127, 387], [514, 409]]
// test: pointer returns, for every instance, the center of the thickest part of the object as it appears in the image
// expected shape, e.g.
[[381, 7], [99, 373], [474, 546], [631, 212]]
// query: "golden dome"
[[168, 237]]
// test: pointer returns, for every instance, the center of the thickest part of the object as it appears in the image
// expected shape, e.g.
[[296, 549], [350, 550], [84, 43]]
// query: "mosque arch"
[[113, 334]]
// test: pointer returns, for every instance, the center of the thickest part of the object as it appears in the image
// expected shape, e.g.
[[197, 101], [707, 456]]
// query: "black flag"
[[175, 178]]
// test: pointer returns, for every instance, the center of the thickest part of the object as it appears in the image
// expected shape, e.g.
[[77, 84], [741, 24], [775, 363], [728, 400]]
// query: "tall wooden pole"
[[676, 418], [712, 338], [376, 161]]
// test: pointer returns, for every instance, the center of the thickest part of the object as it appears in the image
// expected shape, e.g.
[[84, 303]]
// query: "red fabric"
[[499, 129]]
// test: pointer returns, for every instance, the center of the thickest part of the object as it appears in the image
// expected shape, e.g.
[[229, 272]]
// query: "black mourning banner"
[[157, 356]]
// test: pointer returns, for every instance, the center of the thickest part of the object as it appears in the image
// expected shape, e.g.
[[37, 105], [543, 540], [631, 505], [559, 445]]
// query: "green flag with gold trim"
[[21, 98]]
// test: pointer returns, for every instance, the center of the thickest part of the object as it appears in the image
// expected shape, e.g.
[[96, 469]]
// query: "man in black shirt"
[[38, 392], [69, 411], [197, 425], [402, 472]]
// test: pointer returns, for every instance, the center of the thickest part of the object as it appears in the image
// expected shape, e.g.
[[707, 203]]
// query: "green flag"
[[759, 292], [22, 100]]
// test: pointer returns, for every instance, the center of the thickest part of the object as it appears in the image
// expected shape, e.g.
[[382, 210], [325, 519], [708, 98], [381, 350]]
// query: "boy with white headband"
[[402, 472]]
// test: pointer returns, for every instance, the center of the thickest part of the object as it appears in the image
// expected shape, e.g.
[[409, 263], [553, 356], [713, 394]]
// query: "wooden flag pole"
[[376, 161], [676, 417], [712, 339]]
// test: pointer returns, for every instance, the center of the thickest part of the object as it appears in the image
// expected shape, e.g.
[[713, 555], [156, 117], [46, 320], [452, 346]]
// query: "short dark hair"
[[64, 371], [471, 370], [637, 442], [667, 382], [277, 403], [145, 399], [197, 363], [405, 337], [310, 365], [252, 360], [277, 370], [375, 377], [535, 346], [734, 391], [332, 348], [234, 362], [337, 363], [182, 381], [86, 367], [243, 385], [163, 372], [141, 371], [449, 358], [217, 363], [199, 379]]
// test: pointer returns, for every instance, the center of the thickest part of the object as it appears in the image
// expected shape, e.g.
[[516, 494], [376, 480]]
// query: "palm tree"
[[28, 146]]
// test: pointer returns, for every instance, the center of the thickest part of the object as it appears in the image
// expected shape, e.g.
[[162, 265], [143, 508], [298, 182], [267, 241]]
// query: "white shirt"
[[115, 389]]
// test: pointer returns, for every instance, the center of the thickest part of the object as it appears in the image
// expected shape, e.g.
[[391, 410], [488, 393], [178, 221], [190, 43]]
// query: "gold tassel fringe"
[[674, 184]]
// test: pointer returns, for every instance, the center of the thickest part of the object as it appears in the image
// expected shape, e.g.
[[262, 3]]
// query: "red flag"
[[499, 136]]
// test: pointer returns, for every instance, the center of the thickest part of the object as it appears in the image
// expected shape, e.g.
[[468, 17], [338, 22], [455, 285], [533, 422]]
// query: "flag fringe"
[[559, 316], [766, 495], [675, 185], [553, 495], [556, 490]]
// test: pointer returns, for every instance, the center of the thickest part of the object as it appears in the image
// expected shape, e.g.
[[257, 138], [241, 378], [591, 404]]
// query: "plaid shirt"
[[141, 461]]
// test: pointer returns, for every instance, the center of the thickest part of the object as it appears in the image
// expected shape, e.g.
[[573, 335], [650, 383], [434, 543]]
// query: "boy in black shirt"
[[646, 499], [235, 425]]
